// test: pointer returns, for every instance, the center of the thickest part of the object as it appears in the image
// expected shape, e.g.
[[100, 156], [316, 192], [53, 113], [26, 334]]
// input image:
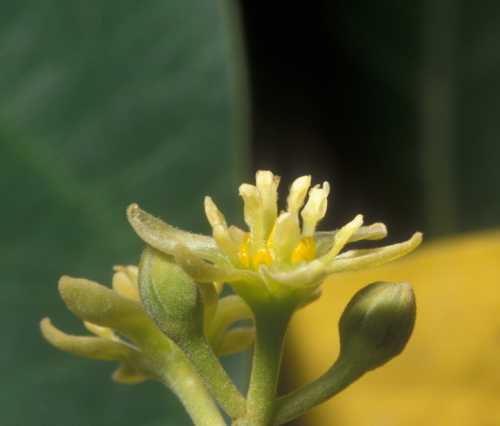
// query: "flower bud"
[[170, 296], [376, 325]]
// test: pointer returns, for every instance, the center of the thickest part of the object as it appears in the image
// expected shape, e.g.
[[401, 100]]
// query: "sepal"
[[85, 346], [102, 306], [125, 374]]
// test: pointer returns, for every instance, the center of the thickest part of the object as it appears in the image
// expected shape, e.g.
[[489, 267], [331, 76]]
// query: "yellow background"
[[449, 374]]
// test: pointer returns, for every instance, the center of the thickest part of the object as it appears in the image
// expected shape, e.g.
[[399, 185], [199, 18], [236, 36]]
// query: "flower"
[[282, 255], [122, 331]]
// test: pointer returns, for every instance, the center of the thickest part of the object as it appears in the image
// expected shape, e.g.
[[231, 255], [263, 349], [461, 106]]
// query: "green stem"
[[271, 329], [181, 377], [214, 375], [296, 403]]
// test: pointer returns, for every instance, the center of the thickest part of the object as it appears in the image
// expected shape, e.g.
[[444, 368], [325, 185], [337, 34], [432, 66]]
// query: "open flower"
[[281, 254]]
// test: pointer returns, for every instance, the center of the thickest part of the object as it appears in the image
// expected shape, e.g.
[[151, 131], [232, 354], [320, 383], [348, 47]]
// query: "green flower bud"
[[170, 297], [376, 325], [178, 306]]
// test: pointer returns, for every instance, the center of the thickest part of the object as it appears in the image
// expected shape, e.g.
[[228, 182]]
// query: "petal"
[[375, 231], [226, 243], [236, 340], [237, 234], [164, 237], [104, 332], [252, 211], [132, 271], [85, 346], [100, 305], [220, 231], [230, 310], [205, 272], [127, 375], [374, 257], [196, 267], [124, 285], [214, 215]]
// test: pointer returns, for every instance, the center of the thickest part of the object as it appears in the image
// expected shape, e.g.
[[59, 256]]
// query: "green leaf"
[[103, 104]]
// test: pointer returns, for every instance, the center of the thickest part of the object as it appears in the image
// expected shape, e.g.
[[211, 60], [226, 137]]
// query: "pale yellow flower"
[[282, 253]]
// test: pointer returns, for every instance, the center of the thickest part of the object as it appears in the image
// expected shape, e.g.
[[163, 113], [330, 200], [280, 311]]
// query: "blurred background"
[[164, 101]]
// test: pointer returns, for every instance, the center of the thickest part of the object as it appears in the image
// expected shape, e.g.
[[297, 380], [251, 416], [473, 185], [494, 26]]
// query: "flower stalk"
[[271, 331]]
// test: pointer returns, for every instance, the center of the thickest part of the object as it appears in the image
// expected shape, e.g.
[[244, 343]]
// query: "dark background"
[[395, 103]]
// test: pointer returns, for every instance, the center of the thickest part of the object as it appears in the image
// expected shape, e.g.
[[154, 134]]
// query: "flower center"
[[305, 250]]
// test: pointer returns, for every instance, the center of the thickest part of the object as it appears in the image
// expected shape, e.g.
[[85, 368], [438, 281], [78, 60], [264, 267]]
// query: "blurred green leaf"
[[103, 104]]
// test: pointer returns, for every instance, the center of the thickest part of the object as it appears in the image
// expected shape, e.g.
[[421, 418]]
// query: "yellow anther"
[[243, 254], [262, 257], [305, 250]]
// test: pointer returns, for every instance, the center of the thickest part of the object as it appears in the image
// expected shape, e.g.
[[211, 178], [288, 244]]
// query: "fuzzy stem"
[[298, 402], [215, 377], [271, 329], [181, 377]]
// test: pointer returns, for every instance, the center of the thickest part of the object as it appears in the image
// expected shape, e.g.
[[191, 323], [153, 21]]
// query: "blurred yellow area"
[[449, 374]]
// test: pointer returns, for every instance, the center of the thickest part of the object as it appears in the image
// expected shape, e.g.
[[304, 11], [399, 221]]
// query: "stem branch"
[[298, 402], [181, 377]]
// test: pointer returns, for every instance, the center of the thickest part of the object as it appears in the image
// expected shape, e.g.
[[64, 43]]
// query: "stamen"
[[342, 237], [237, 234], [214, 215], [267, 185], [297, 194], [124, 285], [315, 208], [225, 242], [104, 332], [305, 250], [262, 257], [253, 211], [220, 230], [243, 252]]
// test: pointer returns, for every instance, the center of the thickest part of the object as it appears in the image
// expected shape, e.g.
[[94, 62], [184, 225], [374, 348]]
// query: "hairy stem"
[[298, 402], [271, 330], [215, 377], [181, 377]]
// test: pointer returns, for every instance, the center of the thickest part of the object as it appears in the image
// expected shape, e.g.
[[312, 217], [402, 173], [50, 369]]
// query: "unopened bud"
[[376, 324], [170, 296]]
